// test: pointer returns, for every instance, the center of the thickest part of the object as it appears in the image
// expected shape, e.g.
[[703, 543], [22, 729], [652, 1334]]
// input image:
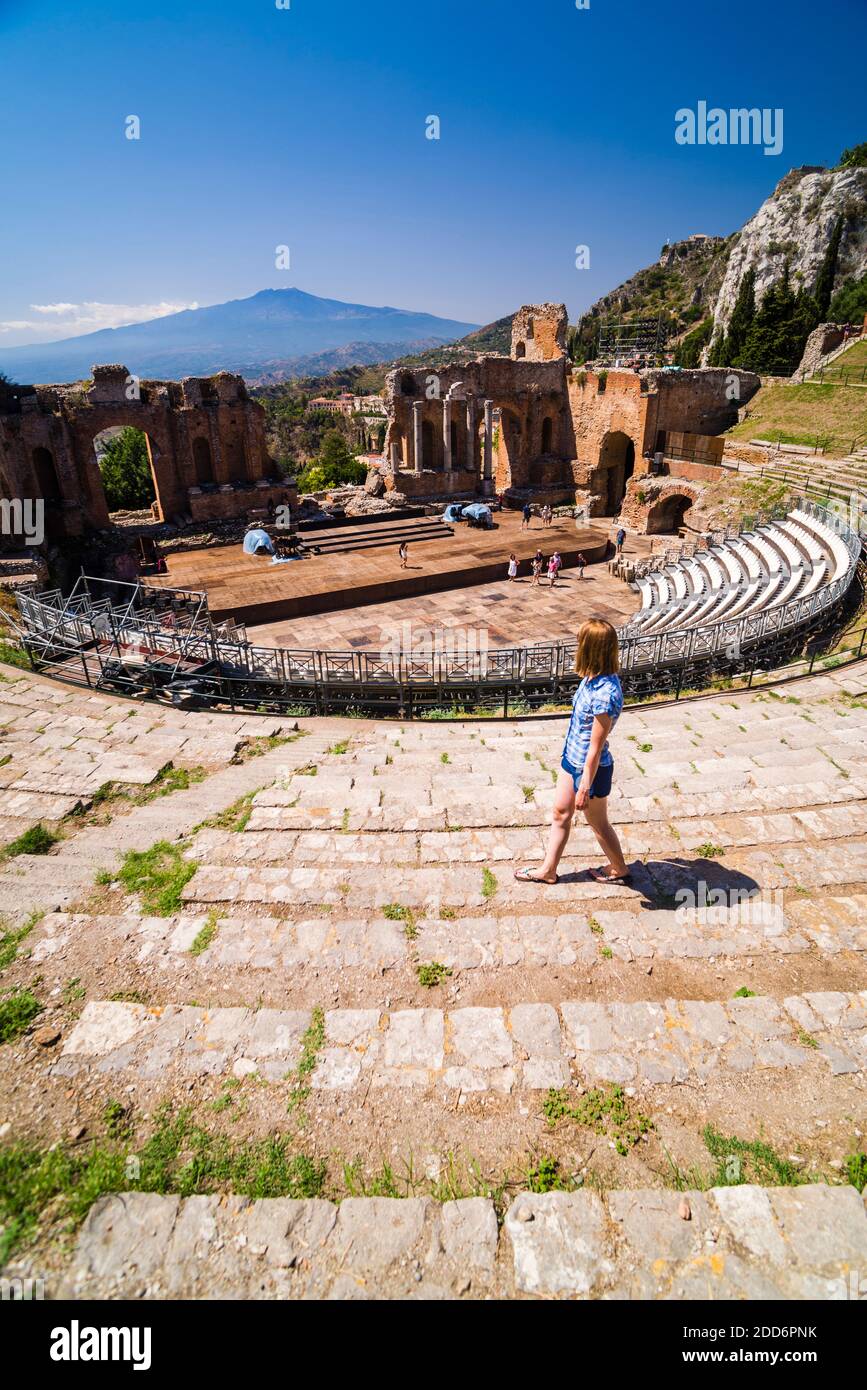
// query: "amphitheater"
[[280, 1023]]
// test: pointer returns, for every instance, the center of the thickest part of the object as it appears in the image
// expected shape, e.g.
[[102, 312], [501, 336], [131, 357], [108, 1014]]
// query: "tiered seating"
[[742, 575], [351, 998]]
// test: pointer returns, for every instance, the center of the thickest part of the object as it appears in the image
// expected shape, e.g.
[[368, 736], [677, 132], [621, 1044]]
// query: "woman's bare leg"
[[561, 824], [596, 815]]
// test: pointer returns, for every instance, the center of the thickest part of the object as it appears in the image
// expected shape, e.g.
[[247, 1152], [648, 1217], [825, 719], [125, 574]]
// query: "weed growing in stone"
[[159, 875], [205, 935], [608, 1112], [36, 840], [18, 1009], [432, 974]]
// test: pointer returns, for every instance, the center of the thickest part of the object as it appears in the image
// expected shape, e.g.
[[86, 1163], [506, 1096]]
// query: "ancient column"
[[472, 447], [416, 436], [447, 434], [489, 447], [394, 450]]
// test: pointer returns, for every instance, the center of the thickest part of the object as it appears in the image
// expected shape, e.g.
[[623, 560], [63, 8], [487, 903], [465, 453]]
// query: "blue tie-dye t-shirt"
[[595, 695]]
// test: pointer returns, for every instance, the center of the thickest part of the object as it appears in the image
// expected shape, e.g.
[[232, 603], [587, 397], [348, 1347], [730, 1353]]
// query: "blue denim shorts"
[[601, 784]]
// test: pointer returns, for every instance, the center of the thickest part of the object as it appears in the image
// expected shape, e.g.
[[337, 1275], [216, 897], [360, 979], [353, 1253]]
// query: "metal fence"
[[131, 637]]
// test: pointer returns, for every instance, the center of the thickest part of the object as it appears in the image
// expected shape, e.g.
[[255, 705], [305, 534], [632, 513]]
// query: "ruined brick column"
[[472, 453], [447, 435], [416, 436], [489, 447]]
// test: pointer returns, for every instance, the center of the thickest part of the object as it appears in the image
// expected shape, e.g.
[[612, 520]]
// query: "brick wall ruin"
[[531, 425], [206, 440]]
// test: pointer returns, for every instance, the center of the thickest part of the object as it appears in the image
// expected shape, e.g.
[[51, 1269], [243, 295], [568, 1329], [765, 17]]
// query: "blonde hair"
[[596, 653]]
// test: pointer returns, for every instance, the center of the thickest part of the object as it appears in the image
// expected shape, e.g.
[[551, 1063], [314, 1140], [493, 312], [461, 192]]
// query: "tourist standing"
[[581, 563], [526, 514], [552, 570], [513, 568], [403, 552], [537, 569], [587, 767], [621, 537]]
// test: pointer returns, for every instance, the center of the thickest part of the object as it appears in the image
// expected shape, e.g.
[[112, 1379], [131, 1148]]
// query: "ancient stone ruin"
[[205, 436], [531, 425]]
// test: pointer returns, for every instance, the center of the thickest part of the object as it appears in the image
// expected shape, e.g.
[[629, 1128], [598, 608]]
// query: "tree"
[[856, 158], [126, 471], [688, 352], [849, 304], [730, 345], [782, 323], [336, 465], [824, 286]]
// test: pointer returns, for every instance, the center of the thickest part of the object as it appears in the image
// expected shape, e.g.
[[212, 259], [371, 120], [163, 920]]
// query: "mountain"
[[795, 226], [271, 335], [681, 286], [813, 225], [494, 337]]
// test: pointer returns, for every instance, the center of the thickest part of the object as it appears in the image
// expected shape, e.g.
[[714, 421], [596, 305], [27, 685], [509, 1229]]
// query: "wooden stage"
[[251, 590]]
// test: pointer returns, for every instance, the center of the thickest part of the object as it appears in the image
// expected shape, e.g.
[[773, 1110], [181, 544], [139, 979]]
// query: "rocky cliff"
[[795, 224]]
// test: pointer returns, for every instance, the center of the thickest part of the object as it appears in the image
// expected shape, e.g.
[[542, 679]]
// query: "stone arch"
[[547, 435], [203, 461], [510, 463], [428, 445], [615, 468], [98, 444], [45, 473], [666, 515], [457, 442], [407, 384], [236, 459], [520, 350]]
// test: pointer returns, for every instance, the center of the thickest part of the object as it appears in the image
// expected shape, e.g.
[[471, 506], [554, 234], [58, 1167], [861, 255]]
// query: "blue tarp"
[[478, 511], [452, 512], [258, 542]]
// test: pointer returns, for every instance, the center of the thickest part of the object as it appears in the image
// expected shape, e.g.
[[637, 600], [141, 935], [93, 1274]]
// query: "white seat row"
[[759, 569]]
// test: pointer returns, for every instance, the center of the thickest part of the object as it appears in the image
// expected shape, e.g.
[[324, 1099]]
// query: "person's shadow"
[[667, 884]]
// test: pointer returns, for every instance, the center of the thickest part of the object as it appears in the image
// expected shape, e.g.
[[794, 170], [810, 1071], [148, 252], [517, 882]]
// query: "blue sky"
[[306, 127]]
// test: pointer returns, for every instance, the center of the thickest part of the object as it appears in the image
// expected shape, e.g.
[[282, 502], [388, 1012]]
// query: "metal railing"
[[169, 634]]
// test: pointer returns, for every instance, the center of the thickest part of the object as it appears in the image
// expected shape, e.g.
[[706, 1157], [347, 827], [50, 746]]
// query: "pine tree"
[[125, 467], [824, 286], [740, 323]]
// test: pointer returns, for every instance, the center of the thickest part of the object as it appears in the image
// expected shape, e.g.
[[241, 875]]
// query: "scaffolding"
[[623, 342]]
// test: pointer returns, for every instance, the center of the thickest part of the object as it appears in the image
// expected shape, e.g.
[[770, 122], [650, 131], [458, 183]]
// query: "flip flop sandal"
[[601, 877], [527, 876]]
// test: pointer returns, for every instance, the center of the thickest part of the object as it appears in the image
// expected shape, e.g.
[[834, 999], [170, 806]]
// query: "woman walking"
[[403, 552], [537, 569], [553, 569], [587, 767], [513, 567]]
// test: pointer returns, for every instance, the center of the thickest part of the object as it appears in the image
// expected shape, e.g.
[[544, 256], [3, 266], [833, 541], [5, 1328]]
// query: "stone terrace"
[[727, 984]]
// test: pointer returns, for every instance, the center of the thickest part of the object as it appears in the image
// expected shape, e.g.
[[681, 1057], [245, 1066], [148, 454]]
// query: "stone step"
[[655, 797], [373, 944], [492, 844], [476, 887], [739, 1242], [528, 1047]]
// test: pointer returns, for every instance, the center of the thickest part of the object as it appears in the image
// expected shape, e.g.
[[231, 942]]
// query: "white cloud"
[[66, 320]]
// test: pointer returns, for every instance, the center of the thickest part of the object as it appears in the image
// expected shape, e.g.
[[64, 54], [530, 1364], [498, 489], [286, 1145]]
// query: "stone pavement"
[[744, 1242], [529, 1047], [369, 850]]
